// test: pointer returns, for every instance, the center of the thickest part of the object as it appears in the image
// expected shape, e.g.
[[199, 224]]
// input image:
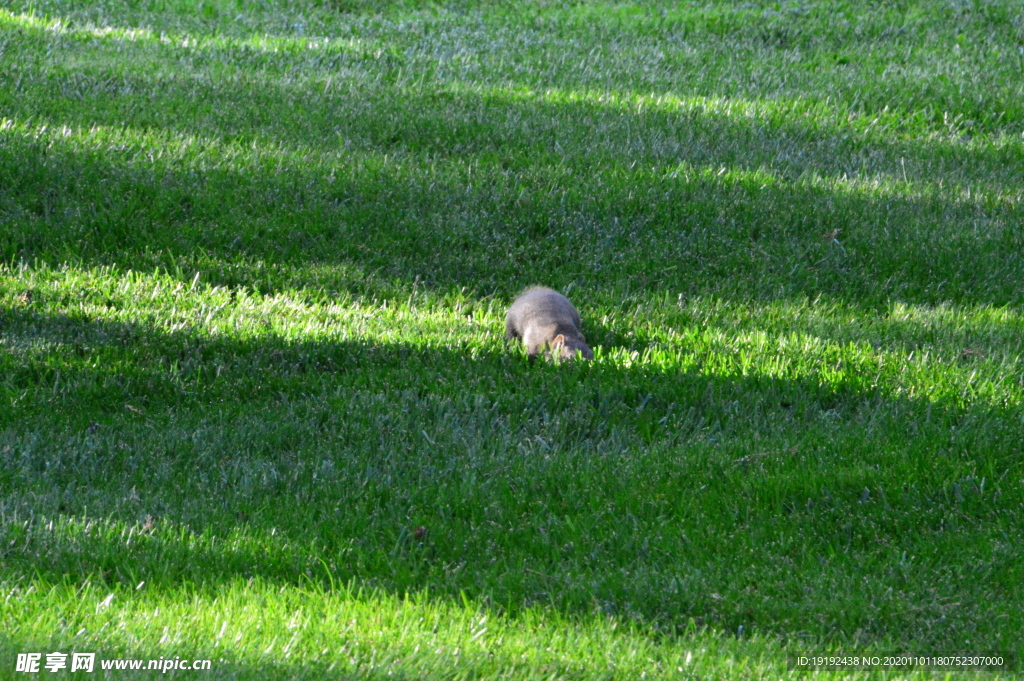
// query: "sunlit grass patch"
[[950, 355], [306, 632]]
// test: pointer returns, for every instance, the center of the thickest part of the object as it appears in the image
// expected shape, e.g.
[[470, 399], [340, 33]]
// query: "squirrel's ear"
[[558, 341]]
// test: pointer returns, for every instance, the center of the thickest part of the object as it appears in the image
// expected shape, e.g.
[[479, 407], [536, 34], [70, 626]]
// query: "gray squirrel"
[[547, 323]]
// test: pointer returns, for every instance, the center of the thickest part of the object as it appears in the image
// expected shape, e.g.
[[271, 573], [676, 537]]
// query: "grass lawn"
[[255, 402]]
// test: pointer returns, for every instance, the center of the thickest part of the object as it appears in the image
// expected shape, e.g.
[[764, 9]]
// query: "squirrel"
[[546, 322]]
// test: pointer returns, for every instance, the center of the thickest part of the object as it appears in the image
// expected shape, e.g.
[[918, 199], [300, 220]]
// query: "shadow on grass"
[[650, 231]]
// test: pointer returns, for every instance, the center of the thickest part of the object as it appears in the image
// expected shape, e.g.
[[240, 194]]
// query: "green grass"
[[257, 406]]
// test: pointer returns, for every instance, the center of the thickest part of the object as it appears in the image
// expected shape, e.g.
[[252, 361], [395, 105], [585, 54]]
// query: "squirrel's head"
[[568, 348]]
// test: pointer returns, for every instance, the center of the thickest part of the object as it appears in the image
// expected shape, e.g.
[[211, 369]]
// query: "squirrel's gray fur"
[[547, 323]]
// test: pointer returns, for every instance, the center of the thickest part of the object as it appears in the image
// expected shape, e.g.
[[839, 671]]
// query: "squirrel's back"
[[547, 323]]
